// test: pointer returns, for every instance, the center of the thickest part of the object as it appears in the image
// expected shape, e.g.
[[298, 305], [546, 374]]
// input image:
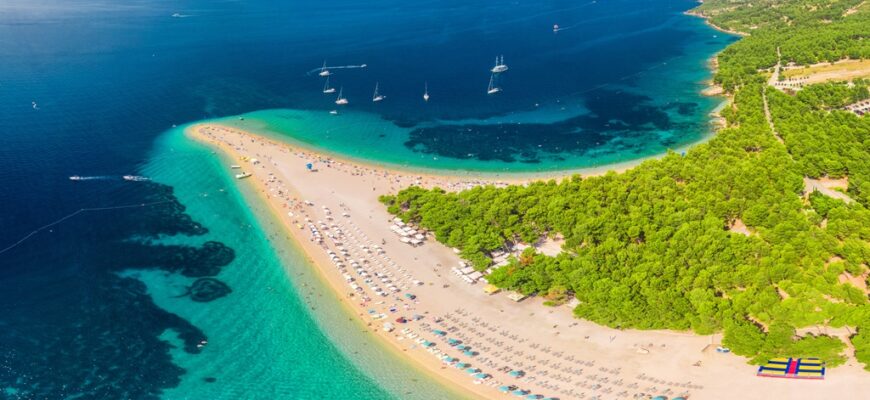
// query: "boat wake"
[[90, 178], [132, 178], [325, 68]]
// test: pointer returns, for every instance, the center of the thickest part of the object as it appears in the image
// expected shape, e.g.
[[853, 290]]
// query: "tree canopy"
[[657, 247]]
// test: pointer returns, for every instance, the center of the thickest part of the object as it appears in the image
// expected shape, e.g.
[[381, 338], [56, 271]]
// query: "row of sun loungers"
[[406, 233], [468, 274]]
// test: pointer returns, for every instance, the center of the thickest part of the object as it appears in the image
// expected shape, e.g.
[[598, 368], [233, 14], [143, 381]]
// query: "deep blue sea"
[[172, 287]]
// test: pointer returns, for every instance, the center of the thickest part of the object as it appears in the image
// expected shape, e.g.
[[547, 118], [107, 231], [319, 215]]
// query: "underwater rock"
[[208, 289]]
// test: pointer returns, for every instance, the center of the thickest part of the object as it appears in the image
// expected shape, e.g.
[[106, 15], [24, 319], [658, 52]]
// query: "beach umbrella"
[[482, 375], [660, 398], [472, 370], [453, 341], [462, 365], [439, 332], [469, 353], [533, 396], [516, 373], [679, 398], [504, 389], [461, 347], [519, 392], [428, 343]]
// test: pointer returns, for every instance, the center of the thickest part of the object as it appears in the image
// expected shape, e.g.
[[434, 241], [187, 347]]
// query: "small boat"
[[326, 88], [334, 112], [243, 175], [426, 92], [323, 70], [341, 100], [555, 27], [492, 89], [75, 178], [500, 66], [377, 97], [235, 166]]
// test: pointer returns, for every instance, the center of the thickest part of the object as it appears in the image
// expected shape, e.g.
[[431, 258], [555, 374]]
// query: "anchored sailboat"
[[492, 89], [341, 100], [500, 66], [426, 92], [377, 97], [323, 70], [326, 88]]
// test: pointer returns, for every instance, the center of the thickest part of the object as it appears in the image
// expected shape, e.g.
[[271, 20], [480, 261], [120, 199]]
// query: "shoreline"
[[517, 177], [641, 361], [314, 259], [706, 19], [506, 177]]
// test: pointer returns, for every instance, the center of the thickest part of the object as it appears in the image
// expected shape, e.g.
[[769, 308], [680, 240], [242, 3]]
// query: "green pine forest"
[[654, 248]]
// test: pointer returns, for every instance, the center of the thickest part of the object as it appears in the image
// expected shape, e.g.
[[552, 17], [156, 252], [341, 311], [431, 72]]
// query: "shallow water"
[[280, 333]]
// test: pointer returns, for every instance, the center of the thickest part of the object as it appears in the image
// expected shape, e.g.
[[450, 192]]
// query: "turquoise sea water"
[[108, 286], [281, 333]]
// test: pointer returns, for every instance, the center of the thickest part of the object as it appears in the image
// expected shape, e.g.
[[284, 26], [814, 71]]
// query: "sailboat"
[[340, 100], [500, 66], [377, 97], [323, 70], [492, 89], [426, 92], [326, 88]]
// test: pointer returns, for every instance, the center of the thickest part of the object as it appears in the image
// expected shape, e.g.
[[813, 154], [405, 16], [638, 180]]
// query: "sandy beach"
[[441, 322]]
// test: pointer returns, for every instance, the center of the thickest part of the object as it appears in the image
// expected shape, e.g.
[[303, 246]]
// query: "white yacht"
[[492, 89], [323, 70], [500, 66], [377, 96], [426, 92], [326, 88], [341, 100]]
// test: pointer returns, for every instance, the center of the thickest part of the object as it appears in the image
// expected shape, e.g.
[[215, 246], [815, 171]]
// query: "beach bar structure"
[[516, 296], [491, 289], [793, 368]]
